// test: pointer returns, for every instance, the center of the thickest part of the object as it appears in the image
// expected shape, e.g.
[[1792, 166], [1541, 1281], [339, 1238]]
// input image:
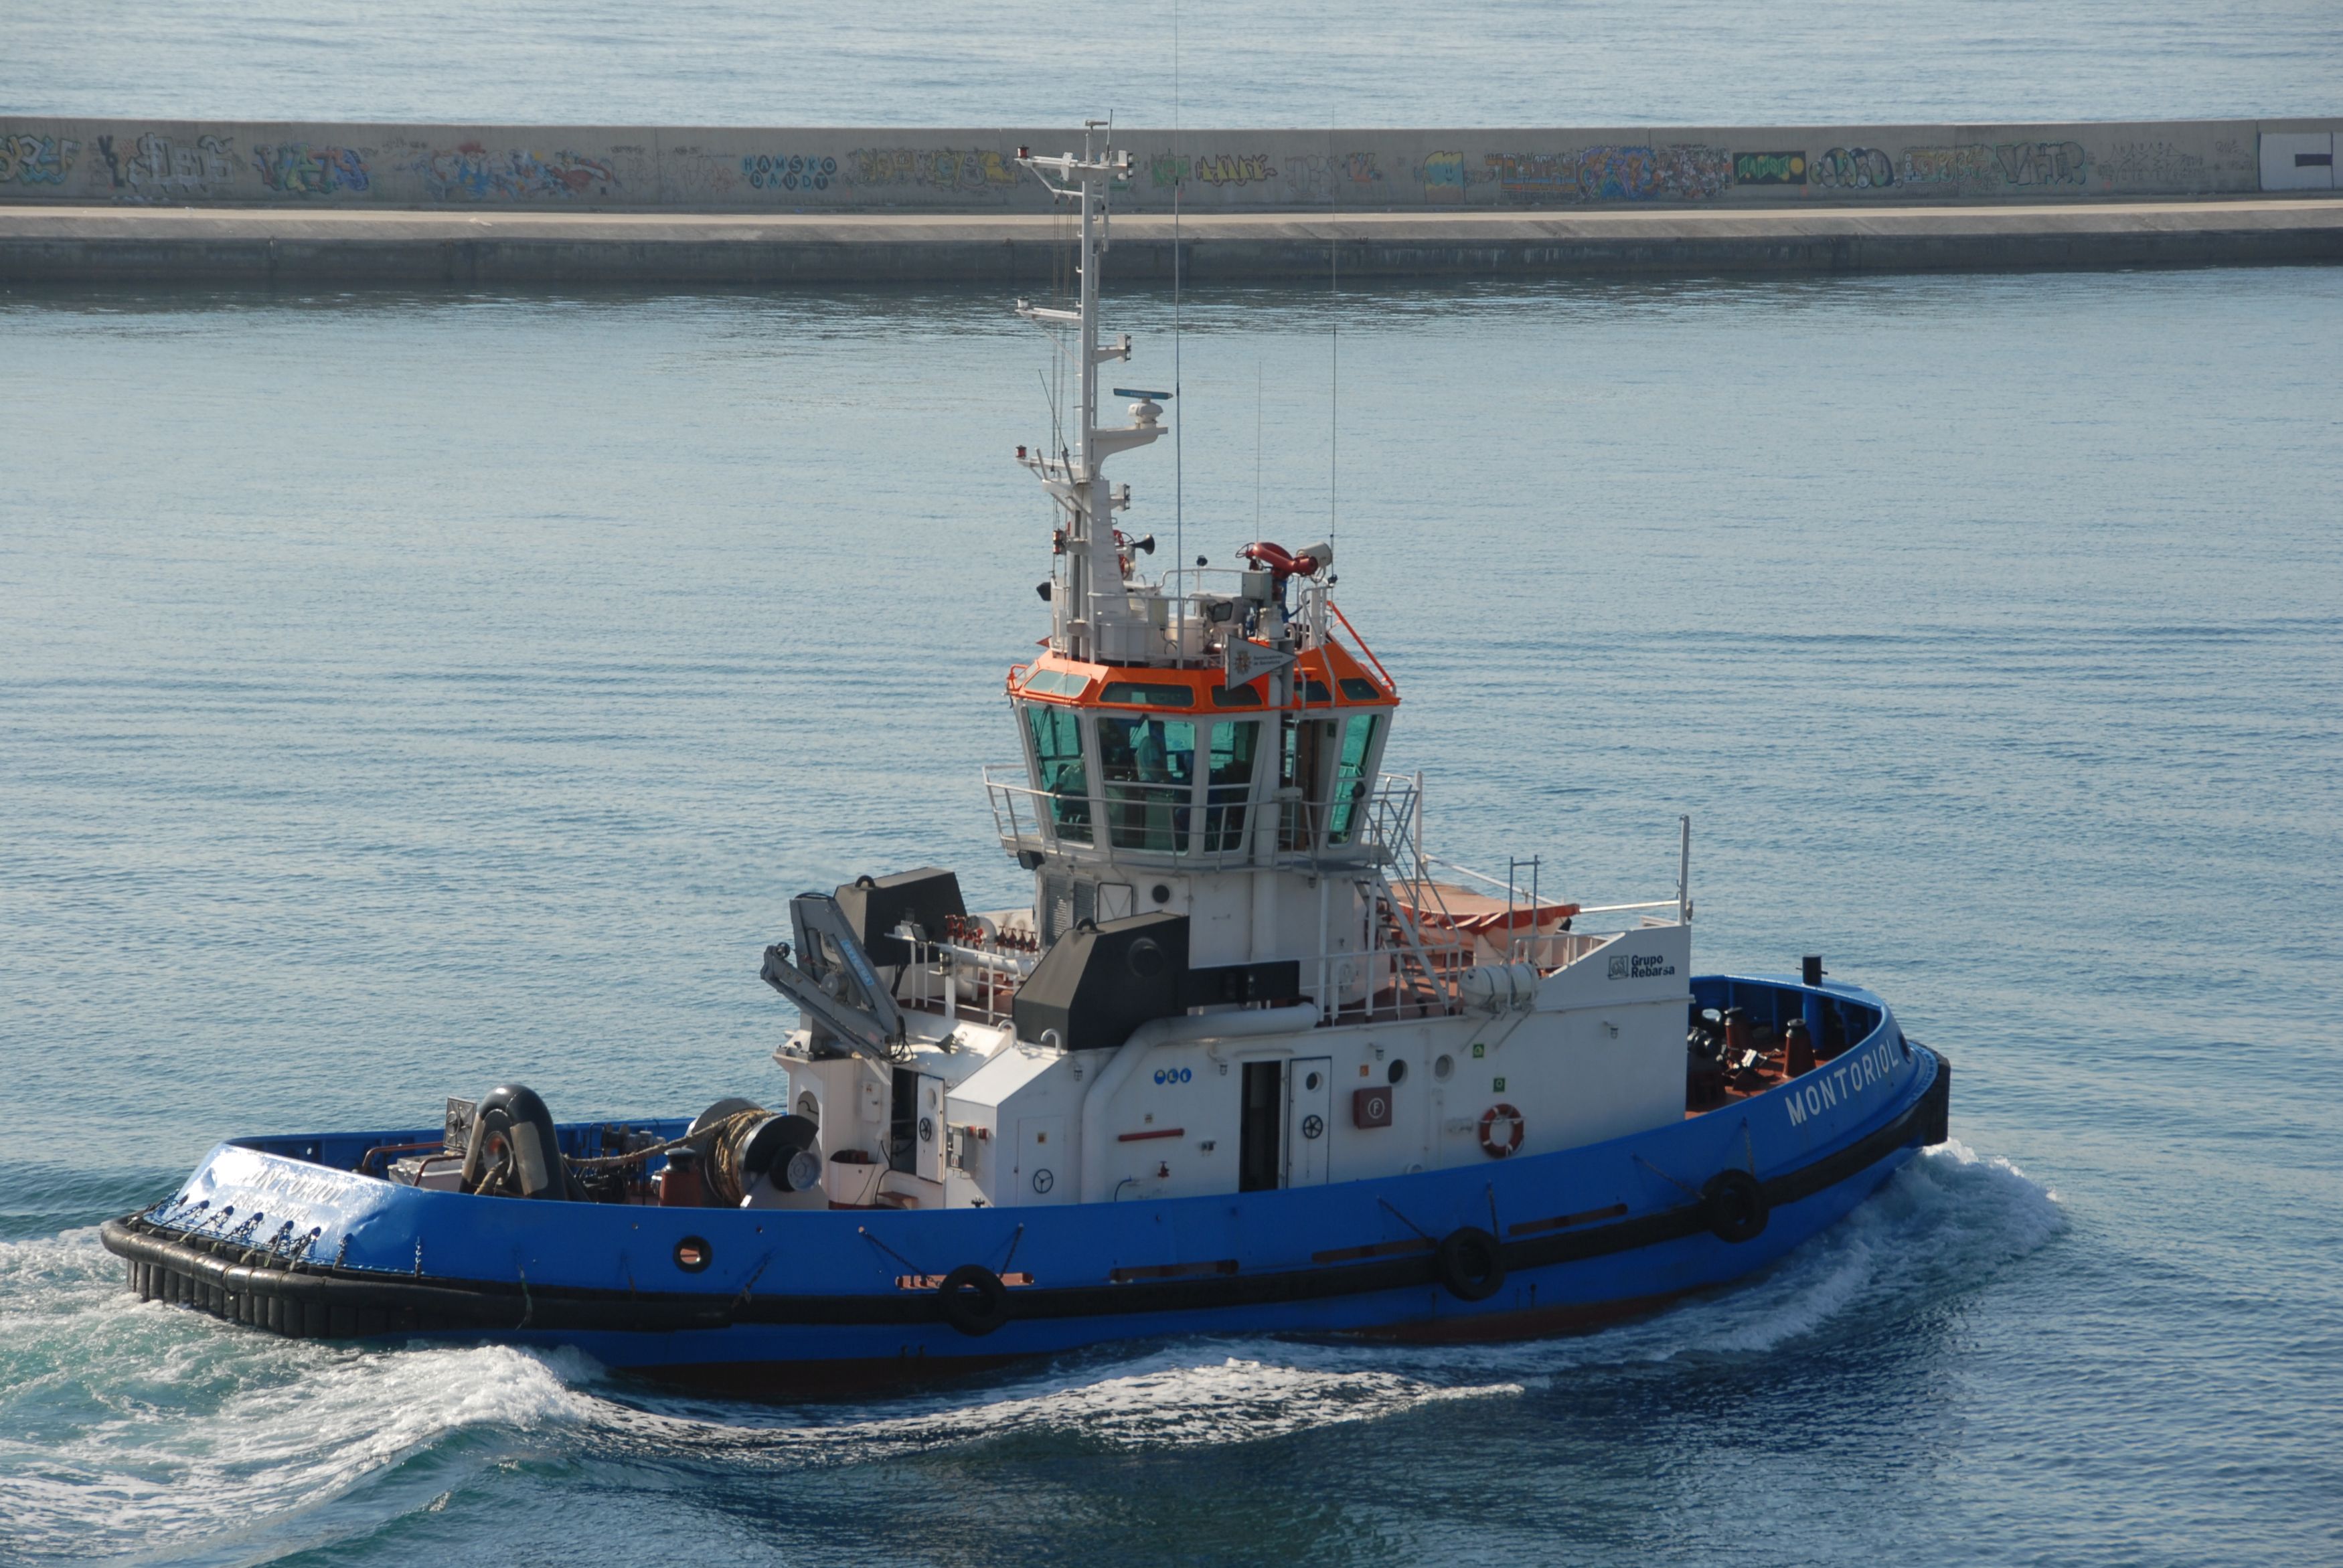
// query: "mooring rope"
[[705, 1141]]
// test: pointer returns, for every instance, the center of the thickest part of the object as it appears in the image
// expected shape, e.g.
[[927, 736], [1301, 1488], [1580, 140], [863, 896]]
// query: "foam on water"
[[136, 1426], [147, 1428], [1982, 625]]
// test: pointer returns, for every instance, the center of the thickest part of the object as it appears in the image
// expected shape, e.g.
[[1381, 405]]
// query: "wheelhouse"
[[1140, 763]]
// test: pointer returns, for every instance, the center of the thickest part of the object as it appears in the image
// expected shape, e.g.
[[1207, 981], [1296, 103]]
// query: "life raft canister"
[[1501, 1127]]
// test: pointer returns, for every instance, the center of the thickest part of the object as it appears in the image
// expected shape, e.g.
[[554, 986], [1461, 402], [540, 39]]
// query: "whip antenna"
[[1179, 467]]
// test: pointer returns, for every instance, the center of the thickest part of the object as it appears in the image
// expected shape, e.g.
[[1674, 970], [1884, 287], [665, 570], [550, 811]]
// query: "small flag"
[[1246, 661]]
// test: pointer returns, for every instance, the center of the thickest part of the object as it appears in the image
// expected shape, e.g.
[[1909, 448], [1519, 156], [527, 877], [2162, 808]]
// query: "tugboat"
[[1252, 1061]]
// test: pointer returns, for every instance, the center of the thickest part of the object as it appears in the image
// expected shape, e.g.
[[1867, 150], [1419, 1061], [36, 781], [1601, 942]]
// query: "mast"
[[1092, 600]]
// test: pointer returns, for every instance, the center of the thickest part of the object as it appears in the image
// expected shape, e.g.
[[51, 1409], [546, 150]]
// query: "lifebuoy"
[[1501, 1127], [1734, 1204], [974, 1299], [1470, 1263]]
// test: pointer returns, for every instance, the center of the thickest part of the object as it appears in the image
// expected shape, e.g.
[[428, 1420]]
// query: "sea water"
[[402, 695], [1221, 62]]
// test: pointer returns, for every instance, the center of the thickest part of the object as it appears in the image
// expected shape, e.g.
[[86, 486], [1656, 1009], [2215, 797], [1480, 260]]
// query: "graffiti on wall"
[[2010, 164], [2154, 164], [691, 174], [470, 172], [155, 167], [297, 168], [2042, 163], [937, 168], [1317, 177], [1679, 173], [788, 172], [1853, 169], [1950, 165], [1769, 168], [1238, 170], [1444, 177], [26, 160], [1535, 176]]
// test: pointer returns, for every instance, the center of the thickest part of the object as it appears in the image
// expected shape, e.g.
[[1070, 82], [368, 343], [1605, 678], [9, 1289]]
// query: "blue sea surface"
[[401, 695], [1207, 62]]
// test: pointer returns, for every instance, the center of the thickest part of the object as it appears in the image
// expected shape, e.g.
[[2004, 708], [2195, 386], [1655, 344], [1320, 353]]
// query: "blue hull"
[[269, 1232]]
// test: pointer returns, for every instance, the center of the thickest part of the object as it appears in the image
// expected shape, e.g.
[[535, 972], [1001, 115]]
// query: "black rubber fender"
[[1472, 1263], [513, 1118], [974, 1299], [1736, 1205]]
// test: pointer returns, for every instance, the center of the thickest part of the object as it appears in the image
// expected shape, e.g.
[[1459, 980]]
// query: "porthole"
[[1161, 892], [1441, 1066], [1311, 1082], [693, 1254], [1397, 1072]]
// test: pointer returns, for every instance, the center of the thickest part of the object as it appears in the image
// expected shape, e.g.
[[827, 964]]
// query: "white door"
[[1044, 1173], [928, 1129], [1309, 1119]]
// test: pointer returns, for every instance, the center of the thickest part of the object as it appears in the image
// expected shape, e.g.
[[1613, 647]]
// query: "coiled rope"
[[725, 1135]]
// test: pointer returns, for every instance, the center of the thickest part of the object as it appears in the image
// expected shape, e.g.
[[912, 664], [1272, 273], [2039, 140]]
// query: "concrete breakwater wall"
[[782, 171], [348, 247]]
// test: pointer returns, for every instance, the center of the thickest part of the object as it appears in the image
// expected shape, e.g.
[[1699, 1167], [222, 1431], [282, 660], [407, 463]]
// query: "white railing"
[[964, 979], [1165, 825]]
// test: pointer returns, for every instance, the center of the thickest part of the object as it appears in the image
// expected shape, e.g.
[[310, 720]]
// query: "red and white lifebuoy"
[[1500, 1130]]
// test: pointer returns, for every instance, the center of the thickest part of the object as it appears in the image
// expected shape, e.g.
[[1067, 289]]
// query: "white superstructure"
[[1241, 967]]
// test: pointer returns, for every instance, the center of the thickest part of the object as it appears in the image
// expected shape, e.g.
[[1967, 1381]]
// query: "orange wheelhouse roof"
[[1326, 676]]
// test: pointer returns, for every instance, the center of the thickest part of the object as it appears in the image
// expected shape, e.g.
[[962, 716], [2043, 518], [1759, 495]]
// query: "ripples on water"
[[405, 694], [160, 1434], [1025, 63]]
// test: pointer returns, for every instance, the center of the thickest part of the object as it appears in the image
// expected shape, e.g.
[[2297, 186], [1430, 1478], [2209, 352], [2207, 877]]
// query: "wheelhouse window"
[[1149, 768], [1354, 776], [1059, 770], [1228, 784], [1309, 753], [1146, 694]]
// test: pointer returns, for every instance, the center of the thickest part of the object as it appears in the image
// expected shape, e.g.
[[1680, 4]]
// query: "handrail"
[[1371, 839], [1482, 877], [1362, 641]]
